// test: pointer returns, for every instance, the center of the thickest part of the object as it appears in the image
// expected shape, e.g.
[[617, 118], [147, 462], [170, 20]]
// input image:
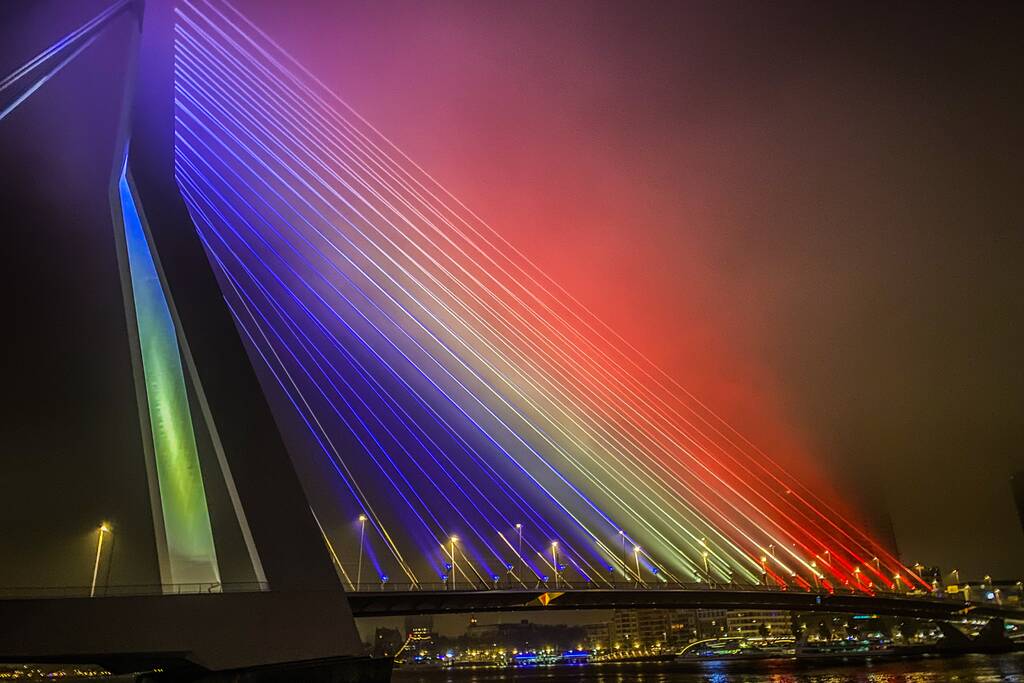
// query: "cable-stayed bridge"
[[471, 436]]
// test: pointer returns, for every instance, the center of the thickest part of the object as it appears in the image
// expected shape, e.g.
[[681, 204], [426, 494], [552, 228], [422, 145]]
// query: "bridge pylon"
[[232, 524]]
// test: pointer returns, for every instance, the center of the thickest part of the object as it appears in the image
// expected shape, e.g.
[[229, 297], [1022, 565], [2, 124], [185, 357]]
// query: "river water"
[[963, 669]]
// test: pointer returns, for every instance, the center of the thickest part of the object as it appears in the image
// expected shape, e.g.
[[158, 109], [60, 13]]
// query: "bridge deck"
[[402, 602]]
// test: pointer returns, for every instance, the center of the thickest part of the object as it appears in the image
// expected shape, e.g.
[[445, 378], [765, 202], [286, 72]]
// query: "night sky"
[[811, 218]]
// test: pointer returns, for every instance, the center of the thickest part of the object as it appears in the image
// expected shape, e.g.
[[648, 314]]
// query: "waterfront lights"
[[104, 529]]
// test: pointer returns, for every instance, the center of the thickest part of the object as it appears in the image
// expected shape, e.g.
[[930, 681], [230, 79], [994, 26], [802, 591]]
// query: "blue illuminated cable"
[[59, 45]]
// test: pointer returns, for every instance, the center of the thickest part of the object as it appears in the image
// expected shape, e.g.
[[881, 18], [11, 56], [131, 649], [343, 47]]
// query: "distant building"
[[419, 629], [523, 635], [682, 627], [711, 623], [597, 636], [759, 624], [387, 642], [641, 628]]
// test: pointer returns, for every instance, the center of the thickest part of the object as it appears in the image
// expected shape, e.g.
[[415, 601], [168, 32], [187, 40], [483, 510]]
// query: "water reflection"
[[965, 669]]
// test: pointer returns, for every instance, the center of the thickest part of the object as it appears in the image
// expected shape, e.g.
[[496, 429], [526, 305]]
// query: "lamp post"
[[636, 556], [764, 569], [359, 567], [519, 550], [956, 576], [625, 561], [454, 539], [704, 556], [104, 529], [814, 572], [554, 560]]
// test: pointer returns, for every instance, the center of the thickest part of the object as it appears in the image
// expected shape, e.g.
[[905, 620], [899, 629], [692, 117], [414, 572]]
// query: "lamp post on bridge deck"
[[453, 539], [519, 551], [554, 560], [104, 529], [362, 535]]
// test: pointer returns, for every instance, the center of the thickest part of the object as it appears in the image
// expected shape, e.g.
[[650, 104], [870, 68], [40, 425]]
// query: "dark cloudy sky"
[[811, 216]]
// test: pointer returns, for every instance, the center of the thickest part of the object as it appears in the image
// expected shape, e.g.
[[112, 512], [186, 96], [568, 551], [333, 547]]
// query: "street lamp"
[[453, 539], [636, 556], [554, 560], [359, 567], [625, 563], [707, 572], [956, 576], [764, 569], [519, 561], [814, 572], [104, 529]]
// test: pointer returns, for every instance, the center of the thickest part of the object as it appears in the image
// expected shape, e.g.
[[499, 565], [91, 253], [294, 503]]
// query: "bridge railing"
[[513, 585], [138, 590]]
